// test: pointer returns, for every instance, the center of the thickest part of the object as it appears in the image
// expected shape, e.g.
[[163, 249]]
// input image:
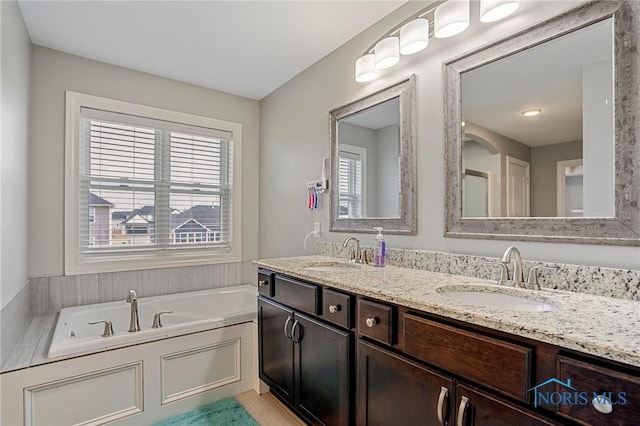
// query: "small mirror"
[[542, 134], [373, 166]]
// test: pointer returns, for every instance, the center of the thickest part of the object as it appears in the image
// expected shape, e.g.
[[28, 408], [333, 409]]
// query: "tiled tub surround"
[[602, 326], [28, 320], [619, 283]]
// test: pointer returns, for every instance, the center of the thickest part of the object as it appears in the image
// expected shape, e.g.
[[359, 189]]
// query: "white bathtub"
[[193, 311]]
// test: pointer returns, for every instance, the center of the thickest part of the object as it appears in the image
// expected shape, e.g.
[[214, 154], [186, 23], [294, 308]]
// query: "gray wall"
[[53, 72], [351, 134], [387, 175], [543, 175], [16, 55], [294, 138]]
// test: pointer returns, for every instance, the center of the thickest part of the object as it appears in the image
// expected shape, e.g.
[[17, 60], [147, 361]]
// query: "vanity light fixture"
[[414, 36], [531, 112], [451, 18], [442, 19], [366, 68], [494, 10], [387, 52]]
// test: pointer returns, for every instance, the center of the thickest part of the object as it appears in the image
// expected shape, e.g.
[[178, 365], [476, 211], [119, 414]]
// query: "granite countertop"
[[596, 325]]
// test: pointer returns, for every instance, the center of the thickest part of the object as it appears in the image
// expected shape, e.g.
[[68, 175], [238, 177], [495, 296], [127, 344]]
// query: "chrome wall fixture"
[[447, 17]]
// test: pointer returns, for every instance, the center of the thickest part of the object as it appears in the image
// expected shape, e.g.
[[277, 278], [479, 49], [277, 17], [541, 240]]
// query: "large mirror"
[[373, 162], [541, 141]]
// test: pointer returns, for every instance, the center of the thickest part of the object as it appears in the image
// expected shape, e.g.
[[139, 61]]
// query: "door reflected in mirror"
[[369, 162], [538, 130]]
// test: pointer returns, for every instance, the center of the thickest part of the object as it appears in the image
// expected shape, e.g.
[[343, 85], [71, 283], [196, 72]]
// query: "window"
[[155, 183], [352, 170]]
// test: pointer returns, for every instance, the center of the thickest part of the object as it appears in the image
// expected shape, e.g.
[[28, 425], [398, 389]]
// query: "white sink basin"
[[496, 299], [331, 267]]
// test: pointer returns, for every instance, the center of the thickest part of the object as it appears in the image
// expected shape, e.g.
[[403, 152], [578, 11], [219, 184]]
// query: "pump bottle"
[[380, 249]]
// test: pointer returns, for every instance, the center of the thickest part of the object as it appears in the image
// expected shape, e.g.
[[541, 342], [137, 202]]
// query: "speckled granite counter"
[[600, 326]]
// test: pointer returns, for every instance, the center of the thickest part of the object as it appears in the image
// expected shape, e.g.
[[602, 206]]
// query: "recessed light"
[[531, 112]]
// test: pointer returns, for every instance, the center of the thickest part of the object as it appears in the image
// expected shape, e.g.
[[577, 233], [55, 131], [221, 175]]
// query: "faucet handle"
[[157, 321], [108, 327], [504, 271], [366, 256], [533, 275]]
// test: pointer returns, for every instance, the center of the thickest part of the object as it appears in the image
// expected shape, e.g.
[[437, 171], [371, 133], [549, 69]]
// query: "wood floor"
[[267, 410]]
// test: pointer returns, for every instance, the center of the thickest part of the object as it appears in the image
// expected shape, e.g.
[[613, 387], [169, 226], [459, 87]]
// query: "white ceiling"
[[248, 48], [548, 76]]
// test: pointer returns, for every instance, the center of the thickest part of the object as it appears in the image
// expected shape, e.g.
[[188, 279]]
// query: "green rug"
[[227, 411]]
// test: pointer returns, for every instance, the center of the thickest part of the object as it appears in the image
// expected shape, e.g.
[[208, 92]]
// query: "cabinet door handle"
[[334, 308], [286, 323], [443, 401], [371, 322], [462, 410], [293, 332]]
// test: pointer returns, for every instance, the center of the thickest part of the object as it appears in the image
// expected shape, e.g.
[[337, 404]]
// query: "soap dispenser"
[[380, 250]]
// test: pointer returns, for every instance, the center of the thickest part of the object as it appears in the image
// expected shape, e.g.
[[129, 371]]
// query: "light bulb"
[[451, 18], [414, 36], [494, 10], [387, 52]]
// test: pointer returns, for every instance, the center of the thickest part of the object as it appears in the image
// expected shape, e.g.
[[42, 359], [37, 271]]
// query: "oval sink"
[[494, 298], [330, 267]]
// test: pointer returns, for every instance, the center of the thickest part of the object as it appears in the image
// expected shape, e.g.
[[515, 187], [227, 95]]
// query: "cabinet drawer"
[[336, 307], [503, 366], [265, 282], [375, 320], [297, 294], [589, 380]]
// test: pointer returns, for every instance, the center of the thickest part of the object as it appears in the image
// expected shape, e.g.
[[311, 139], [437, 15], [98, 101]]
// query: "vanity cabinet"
[[305, 361]]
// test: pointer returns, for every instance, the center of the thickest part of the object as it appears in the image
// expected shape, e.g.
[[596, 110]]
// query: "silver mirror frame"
[[624, 228], [406, 224]]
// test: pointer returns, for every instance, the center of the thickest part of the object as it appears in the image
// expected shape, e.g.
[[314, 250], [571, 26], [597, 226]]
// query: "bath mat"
[[225, 412]]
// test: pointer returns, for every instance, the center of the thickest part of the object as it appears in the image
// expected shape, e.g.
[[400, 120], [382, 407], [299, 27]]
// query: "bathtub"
[[193, 311]]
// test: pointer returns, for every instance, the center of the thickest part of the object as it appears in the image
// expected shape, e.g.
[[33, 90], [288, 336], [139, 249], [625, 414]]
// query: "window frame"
[[77, 262]]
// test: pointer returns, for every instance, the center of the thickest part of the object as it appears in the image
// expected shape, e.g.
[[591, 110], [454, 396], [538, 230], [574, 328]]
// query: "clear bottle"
[[380, 250]]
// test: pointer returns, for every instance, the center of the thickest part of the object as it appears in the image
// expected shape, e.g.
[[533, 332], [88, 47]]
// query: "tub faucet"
[[134, 322], [518, 273]]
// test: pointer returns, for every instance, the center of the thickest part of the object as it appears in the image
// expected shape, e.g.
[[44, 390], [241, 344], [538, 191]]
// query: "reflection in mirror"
[[373, 162], [526, 115], [368, 157], [567, 170]]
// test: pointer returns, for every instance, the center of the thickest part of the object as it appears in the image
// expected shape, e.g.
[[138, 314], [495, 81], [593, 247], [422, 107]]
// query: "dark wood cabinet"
[[276, 348], [305, 362], [477, 408], [395, 391], [322, 374]]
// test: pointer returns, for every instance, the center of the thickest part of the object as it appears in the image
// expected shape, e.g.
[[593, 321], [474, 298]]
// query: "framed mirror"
[[542, 132], [373, 165]]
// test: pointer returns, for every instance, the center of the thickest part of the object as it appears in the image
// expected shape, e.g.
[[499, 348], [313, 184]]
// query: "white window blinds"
[[350, 187], [148, 184]]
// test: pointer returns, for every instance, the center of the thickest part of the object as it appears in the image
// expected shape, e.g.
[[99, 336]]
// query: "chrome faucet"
[[354, 256], [518, 273], [134, 322]]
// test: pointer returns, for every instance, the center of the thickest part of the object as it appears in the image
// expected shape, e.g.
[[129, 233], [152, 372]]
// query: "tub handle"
[[286, 324], [108, 327], [157, 321]]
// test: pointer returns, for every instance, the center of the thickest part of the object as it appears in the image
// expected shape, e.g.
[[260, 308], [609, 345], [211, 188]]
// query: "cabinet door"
[[395, 391], [276, 347], [322, 364], [478, 408]]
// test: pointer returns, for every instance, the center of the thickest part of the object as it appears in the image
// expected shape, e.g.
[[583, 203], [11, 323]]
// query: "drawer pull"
[[371, 322], [602, 404], [462, 410], [263, 283], [286, 324], [334, 308], [443, 400]]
